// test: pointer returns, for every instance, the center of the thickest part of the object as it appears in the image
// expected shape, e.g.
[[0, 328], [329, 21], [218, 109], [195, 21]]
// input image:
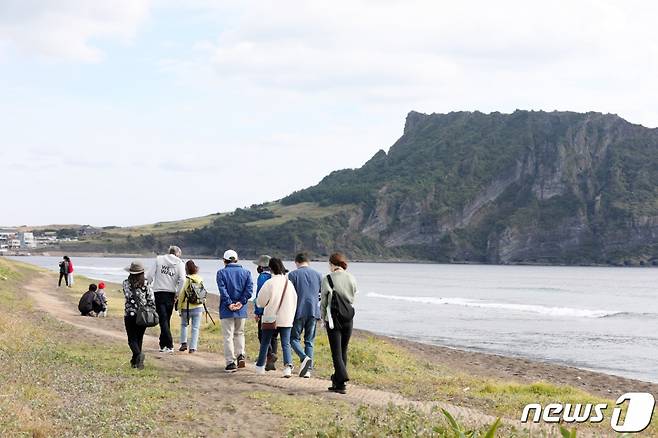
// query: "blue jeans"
[[284, 332], [308, 325], [195, 317]]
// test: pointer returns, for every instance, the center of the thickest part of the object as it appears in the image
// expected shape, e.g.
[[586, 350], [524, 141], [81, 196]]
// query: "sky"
[[126, 112]]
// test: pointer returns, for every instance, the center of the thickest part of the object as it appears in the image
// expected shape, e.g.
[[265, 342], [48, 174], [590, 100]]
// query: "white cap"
[[231, 255]]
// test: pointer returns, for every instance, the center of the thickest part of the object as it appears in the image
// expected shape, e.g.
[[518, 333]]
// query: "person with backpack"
[[307, 283], [140, 302], [63, 271], [336, 308], [278, 299], [264, 274], [191, 305], [90, 303], [167, 278], [235, 288]]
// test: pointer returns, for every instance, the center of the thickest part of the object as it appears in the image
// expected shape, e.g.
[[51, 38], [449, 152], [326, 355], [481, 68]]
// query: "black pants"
[[164, 305], [272, 349], [135, 336], [339, 338], [65, 277]]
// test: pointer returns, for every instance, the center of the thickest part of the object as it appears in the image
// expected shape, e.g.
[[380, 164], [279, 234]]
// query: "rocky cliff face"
[[526, 187]]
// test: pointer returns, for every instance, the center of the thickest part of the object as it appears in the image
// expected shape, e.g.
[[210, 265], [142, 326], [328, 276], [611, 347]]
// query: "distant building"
[[27, 240], [88, 230], [5, 236]]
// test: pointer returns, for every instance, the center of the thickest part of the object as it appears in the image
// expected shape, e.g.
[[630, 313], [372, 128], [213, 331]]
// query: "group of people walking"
[[287, 306]]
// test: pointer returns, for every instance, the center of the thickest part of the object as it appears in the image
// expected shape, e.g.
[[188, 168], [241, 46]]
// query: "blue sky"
[[134, 111]]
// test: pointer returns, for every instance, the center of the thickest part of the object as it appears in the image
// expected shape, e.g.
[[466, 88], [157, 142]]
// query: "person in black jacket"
[[90, 303], [63, 271]]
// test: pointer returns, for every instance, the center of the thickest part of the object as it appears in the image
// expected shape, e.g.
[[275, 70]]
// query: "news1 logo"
[[638, 414]]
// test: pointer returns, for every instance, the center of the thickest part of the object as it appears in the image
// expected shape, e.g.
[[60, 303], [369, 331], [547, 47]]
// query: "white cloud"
[[68, 28], [440, 55]]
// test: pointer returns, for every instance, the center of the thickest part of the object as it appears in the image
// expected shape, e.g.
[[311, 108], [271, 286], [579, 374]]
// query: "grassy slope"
[[284, 214], [308, 210], [55, 385], [165, 227]]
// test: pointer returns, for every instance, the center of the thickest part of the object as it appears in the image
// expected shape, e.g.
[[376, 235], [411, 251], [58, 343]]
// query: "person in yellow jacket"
[[190, 312]]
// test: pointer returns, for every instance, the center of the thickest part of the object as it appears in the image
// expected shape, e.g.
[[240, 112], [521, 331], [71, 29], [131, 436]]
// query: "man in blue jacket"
[[235, 289], [307, 283]]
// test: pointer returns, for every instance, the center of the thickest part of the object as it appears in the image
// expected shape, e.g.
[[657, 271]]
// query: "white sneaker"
[[287, 371], [260, 370], [163, 349], [305, 366], [307, 375], [169, 350]]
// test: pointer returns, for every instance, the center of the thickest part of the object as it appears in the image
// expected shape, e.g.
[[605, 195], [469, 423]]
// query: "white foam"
[[98, 268], [528, 308]]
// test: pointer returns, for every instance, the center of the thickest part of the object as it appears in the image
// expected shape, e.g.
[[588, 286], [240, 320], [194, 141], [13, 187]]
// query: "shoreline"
[[59, 253], [513, 368], [524, 370]]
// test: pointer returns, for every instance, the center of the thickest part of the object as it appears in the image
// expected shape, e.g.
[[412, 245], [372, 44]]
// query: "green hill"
[[526, 187]]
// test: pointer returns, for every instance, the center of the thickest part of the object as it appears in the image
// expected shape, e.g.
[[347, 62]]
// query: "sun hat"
[[135, 268], [231, 255], [263, 261], [101, 285]]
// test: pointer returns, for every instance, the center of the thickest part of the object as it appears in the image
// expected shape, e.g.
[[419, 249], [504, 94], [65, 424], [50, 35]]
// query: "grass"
[[55, 385], [310, 416], [307, 210], [164, 227], [284, 213]]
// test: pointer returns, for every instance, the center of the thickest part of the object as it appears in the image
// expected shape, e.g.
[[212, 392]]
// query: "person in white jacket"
[[278, 299], [167, 278]]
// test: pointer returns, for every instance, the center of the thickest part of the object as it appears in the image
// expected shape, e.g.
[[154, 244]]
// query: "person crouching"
[[90, 303]]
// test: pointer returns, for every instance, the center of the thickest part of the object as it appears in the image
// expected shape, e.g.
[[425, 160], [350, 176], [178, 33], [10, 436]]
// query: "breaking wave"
[[528, 308]]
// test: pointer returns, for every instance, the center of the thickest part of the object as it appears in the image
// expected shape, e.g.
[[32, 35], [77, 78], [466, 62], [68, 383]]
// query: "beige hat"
[[135, 267], [263, 261]]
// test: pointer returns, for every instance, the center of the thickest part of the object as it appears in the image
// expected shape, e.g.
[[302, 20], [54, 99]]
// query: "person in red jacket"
[[70, 275]]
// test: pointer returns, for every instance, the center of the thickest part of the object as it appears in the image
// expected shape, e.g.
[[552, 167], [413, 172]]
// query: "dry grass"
[[54, 384]]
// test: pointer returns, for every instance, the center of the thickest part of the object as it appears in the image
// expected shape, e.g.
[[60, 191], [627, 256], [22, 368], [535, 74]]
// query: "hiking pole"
[[208, 315]]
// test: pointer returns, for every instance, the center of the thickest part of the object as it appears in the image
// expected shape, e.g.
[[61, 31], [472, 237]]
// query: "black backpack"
[[342, 310]]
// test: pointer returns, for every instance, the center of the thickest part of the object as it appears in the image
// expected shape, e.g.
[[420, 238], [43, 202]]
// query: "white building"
[[27, 240]]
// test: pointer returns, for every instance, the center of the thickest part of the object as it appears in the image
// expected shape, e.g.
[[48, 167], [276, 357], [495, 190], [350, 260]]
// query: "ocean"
[[597, 318]]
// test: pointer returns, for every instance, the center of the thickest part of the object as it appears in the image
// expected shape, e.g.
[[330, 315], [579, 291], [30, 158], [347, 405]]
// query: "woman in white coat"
[[278, 298]]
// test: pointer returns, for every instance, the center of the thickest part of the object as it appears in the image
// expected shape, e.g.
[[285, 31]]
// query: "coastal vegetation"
[[464, 187]]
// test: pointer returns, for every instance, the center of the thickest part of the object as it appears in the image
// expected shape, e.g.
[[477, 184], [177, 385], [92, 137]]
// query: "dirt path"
[[215, 384]]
